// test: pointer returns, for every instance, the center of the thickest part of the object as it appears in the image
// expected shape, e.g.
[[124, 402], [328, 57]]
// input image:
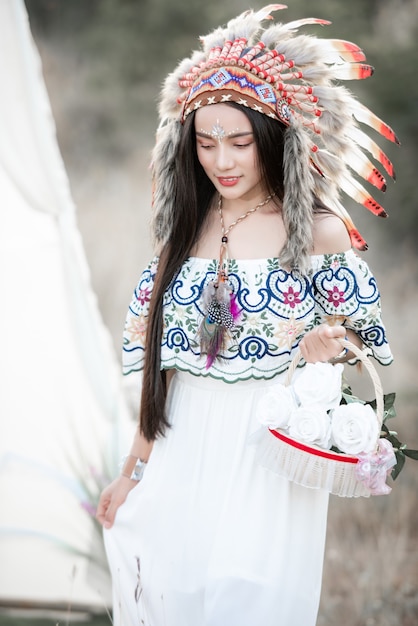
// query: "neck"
[[235, 207], [237, 220]]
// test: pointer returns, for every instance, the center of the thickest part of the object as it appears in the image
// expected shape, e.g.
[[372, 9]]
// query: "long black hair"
[[194, 194]]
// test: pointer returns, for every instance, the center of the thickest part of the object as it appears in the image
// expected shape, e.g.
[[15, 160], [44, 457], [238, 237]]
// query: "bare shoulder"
[[330, 234]]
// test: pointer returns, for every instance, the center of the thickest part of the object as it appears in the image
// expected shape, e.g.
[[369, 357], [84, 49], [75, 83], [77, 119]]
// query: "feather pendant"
[[222, 311], [221, 314], [211, 340]]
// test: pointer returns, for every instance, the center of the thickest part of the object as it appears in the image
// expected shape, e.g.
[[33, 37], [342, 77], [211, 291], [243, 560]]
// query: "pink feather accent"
[[235, 310], [215, 345]]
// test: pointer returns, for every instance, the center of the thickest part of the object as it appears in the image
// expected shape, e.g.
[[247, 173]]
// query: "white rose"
[[275, 407], [312, 425], [319, 383], [354, 428]]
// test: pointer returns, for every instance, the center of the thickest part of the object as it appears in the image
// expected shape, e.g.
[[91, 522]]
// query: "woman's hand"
[[321, 343], [115, 494], [111, 498]]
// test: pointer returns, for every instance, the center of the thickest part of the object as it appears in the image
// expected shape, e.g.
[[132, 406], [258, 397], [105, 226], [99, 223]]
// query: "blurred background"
[[103, 64]]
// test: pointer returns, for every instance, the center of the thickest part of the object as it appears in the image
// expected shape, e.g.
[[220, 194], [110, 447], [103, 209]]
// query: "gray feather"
[[163, 173], [298, 200]]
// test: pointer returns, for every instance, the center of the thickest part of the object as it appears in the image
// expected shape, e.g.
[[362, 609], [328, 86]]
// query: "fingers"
[[111, 513], [106, 515], [322, 343], [333, 331], [106, 509], [102, 509], [112, 497], [109, 519]]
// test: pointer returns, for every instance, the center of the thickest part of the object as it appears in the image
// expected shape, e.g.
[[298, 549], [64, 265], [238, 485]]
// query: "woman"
[[251, 265]]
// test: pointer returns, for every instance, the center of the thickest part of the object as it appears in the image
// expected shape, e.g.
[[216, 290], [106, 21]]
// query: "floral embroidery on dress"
[[136, 328], [291, 297], [277, 308], [144, 295], [287, 331], [335, 296]]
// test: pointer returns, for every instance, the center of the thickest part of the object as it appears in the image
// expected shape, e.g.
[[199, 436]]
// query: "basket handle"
[[367, 364]]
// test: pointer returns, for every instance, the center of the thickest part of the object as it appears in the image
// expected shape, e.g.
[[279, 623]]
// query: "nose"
[[224, 158]]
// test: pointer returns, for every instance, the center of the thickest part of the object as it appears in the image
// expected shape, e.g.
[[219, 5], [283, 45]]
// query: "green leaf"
[[390, 436], [385, 429], [389, 400], [349, 398], [394, 441], [345, 388], [390, 413], [372, 403], [389, 406], [400, 462], [412, 454]]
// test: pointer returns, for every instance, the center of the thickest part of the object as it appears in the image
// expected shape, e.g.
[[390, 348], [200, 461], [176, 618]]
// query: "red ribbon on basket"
[[326, 454]]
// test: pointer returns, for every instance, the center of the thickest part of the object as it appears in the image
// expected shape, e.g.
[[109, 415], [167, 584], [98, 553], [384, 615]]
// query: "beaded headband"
[[291, 78], [234, 84]]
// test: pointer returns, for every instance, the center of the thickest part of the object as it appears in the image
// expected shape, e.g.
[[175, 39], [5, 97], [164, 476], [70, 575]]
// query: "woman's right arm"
[[115, 494]]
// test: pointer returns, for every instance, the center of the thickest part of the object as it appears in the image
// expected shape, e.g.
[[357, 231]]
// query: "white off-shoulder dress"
[[209, 537]]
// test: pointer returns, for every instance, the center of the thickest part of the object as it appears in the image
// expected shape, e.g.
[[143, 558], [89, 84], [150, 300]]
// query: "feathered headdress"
[[295, 79]]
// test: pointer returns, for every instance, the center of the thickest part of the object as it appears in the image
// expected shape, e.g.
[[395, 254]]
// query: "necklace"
[[221, 308], [223, 257]]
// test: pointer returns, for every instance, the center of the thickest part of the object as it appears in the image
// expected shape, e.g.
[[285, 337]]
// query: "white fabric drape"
[[63, 417]]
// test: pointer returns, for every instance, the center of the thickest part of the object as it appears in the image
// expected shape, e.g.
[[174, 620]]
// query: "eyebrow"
[[233, 136]]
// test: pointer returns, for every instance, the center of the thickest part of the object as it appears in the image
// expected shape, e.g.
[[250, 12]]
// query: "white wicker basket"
[[312, 466]]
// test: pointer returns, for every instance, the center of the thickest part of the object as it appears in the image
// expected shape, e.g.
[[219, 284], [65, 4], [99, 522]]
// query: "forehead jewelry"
[[221, 309], [218, 132]]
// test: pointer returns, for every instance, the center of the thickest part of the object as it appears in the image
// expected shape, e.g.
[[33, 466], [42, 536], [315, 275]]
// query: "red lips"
[[229, 181]]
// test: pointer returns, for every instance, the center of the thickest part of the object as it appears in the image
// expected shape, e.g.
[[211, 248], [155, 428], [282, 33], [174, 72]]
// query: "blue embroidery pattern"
[[277, 308]]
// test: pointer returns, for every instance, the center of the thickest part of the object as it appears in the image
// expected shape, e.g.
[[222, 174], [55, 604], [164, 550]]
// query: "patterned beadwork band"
[[235, 84]]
